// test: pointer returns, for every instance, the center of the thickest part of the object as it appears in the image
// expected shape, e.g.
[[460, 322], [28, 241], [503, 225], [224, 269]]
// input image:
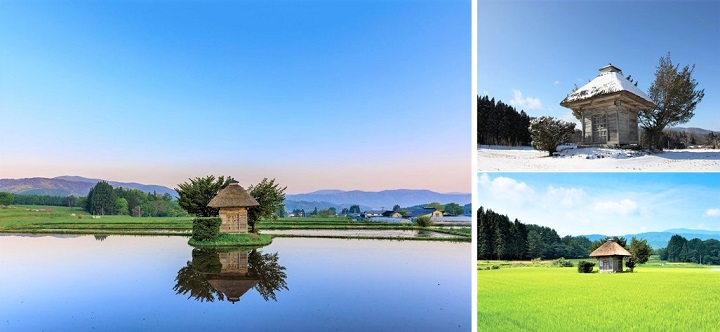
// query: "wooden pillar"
[[582, 123]]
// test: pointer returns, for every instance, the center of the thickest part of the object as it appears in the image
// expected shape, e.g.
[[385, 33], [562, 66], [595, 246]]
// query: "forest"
[[500, 238], [679, 249], [103, 199], [501, 124]]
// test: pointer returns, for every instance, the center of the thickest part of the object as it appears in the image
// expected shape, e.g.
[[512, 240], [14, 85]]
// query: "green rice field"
[[66, 220], [672, 297]]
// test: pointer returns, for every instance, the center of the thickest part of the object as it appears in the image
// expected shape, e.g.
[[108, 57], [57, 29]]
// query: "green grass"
[[654, 298], [60, 220], [235, 240]]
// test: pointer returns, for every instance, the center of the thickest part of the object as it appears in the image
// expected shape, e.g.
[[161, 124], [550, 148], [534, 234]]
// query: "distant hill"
[[380, 199], [692, 130], [70, 185], [291, 205], [45, 186], [660, 239], [322, 199], [148, 188]]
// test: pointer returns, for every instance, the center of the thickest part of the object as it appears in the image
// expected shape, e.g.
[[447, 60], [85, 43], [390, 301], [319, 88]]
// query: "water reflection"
[[228, 274]]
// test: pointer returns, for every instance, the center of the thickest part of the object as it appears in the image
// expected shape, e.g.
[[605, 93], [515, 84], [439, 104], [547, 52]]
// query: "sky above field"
[[604, 203], [366, 95], [532, 53]]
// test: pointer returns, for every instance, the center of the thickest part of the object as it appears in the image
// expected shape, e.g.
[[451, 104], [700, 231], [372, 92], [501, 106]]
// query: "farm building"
[[233, 202], [610, 257], [608, 108]]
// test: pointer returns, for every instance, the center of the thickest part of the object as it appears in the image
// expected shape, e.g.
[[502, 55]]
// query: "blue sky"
[[531, 53], [365, 95], [604, 203]]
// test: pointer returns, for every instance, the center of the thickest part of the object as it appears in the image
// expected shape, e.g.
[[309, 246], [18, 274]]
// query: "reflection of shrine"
[[234, 278], [229, 274]]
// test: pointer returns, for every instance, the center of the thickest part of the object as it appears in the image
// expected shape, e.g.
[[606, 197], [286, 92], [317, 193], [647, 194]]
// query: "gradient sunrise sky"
[[366, 95]]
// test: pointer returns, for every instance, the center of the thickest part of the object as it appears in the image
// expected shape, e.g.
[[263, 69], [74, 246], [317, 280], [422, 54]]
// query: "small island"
[[231, 227]]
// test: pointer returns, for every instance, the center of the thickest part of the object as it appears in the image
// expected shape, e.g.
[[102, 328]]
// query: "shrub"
[[562, 262], [495, 267], [206, 229], [423, 221], [585, 267], [547, 133], [536, 261]]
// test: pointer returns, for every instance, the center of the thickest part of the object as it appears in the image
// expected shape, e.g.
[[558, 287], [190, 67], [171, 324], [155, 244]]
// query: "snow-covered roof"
[[610, 80]]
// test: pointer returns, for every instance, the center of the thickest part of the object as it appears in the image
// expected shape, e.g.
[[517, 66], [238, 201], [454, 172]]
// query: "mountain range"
[[692, 130], [380, 199], [322, 199], [661, 239], [71, 185]]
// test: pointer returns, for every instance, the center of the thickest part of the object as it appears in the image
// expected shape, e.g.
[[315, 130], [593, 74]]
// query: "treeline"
[[69, 201], [500, 124], [682, 139], [679, 249], [103, 199], [500, 238]]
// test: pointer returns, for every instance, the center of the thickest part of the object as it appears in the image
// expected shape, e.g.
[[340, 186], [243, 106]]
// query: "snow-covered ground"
[[506, 159]]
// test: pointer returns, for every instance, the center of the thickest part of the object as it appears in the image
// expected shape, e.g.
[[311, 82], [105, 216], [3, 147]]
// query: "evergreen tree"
[[485, 235], [675, 94], [355, 209], [535, 245], [270, 196], [500, 124], [195, 196], [640, 251], [101, 199]]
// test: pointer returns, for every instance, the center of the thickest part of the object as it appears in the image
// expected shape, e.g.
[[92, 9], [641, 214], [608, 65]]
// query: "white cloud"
[[525, 103], [712, 213], [565, 197], [623, 207], [556, 82], [503, 188]]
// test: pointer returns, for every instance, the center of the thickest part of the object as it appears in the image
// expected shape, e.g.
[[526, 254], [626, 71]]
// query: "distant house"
[[429, 212], [608, 107], [610, 257], [392, 214], [373, 213]]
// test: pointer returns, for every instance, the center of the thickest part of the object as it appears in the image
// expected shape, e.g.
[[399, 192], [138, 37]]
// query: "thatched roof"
[[232, 287], [610, 248], [232, 196], [610, 81]]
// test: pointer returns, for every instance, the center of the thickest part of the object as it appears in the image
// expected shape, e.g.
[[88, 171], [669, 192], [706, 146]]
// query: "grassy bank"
[[65, 220], [235, 240], [653, 298]]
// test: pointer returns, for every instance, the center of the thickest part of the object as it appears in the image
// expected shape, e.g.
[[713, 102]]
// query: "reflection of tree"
[[192, 278], [100, 237], [217, 275], [270, 274]]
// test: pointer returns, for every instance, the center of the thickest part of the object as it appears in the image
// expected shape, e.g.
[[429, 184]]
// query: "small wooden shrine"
[[608, 107], [610, 257], [233, 202]]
